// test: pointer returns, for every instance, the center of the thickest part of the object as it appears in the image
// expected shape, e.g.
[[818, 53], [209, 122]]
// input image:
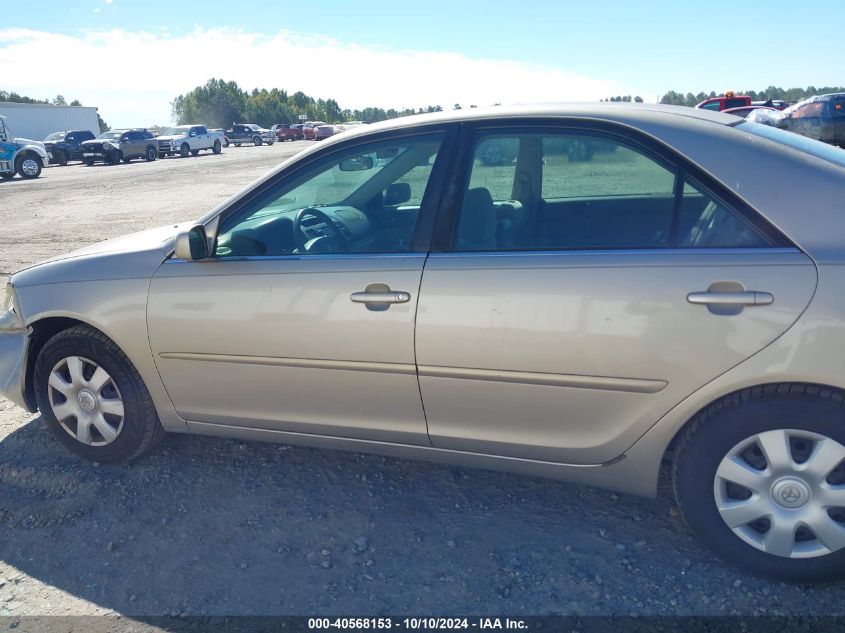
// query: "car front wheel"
[[93, 398], [256, 140], [151, 153], [216, 148], [759, 477]]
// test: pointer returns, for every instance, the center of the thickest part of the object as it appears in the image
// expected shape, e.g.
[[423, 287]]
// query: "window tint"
[[713, 105], [578, 191], [363, 200], [734, 103], [576, 166]]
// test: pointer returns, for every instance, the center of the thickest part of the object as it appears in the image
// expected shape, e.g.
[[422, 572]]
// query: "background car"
[[587, 320], [285, 132], [120, 145], [821, 118], [251, 133], [66, 146], [322, 132], [308, 129]]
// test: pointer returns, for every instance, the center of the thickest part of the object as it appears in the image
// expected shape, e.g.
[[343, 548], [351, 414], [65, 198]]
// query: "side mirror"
[[359, 163], [191, 244], [397, 193]]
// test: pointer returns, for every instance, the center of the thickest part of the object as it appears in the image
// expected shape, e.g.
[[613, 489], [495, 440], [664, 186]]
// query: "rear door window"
[[575, 191]]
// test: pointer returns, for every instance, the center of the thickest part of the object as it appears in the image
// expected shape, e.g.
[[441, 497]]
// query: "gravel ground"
[[206, 527]]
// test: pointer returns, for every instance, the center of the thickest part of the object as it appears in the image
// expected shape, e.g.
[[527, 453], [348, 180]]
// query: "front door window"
[[365, 199]]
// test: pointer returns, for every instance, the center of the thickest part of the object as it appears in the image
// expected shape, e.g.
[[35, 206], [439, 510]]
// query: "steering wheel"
[[302, 240]]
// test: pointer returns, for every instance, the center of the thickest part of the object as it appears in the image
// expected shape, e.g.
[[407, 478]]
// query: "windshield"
[[55, 136], [810, 146], [113, 134], [177, 131]]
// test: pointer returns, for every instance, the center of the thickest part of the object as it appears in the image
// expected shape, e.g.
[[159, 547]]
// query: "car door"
[[576, 297], [137, 142], [313, 331]]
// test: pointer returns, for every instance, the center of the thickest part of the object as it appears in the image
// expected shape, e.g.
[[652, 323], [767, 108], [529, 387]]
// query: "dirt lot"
[[205, 526]]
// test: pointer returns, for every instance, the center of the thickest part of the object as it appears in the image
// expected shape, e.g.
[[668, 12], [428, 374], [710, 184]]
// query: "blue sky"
[[446, 51]]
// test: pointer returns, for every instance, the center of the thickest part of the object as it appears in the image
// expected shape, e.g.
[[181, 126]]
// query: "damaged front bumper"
[[14, 344]]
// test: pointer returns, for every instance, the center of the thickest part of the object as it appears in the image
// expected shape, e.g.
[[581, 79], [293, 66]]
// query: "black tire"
[[125, 159], [237, 144], [184, 150], [61, 157], [28, 166], [88, 161], [216, 148], [225, 142], [151, 154], [195, 152], [141, 429], [7, 176], [115, 157], [720, 428], [256, 140]]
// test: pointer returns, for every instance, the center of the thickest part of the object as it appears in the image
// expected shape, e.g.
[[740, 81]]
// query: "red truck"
[[726, 101], [729, 101]]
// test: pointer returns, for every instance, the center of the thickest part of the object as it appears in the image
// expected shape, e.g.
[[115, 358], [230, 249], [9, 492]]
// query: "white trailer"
[[37, 120]]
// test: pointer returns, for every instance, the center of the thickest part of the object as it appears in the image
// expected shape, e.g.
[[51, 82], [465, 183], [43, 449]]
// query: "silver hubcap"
[[30, 167], [85, 401], [783, 492]]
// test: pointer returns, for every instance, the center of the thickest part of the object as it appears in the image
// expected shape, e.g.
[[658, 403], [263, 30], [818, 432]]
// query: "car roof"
[[632, 113]]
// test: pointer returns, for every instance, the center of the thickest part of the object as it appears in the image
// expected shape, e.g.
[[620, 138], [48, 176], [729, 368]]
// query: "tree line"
[[220, 103], [14, 97], [790, 95]]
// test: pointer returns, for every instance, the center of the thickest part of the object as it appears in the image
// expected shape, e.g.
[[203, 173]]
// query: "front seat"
[[477, 222]]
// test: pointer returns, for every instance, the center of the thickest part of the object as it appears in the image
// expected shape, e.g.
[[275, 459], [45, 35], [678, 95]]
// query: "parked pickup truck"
[[188, 139], [66, 146], [249, 133], [19, 155], [285, 132]]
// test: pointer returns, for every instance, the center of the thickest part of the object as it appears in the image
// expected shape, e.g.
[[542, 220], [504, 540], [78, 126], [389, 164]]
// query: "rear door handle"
[[389, 296], [746, 298]]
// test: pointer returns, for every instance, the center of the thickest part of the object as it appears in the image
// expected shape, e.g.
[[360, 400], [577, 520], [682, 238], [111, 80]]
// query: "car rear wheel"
[[88, 161], [61, 157], [195, 152], [28, 166], [216, 149], [256, 140], [93, 398], [760, 478]]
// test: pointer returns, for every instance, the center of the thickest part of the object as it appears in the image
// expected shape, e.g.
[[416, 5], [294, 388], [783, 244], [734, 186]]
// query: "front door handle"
[[390, 296], [745, 298]]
